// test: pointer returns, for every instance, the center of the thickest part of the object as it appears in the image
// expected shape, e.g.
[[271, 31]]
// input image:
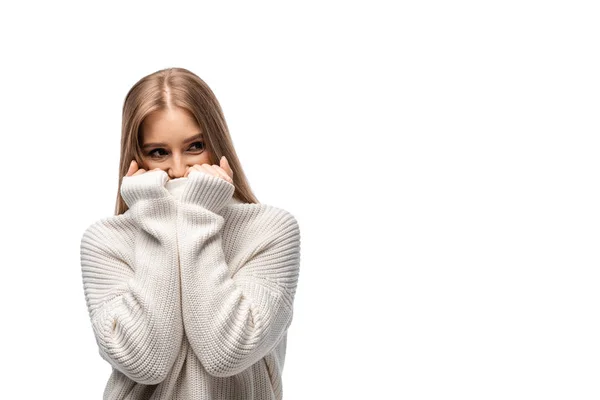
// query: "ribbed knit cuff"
[[207, 191], [148, 185]]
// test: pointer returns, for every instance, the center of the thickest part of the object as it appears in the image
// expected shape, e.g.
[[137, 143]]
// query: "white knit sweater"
[[190, 292]]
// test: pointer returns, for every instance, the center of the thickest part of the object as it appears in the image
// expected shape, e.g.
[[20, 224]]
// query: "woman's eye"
[[151, 153], [201, 144]]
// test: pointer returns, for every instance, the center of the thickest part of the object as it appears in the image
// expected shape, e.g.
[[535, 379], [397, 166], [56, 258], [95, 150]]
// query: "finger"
[[225, 165], [222, 173], [188, 170], [139, 172], [131, 169], [194, 167], [210, 170]]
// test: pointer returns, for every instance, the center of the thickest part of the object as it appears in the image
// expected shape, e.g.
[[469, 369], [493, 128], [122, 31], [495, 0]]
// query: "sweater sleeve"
[[131, 281], [232, 322]]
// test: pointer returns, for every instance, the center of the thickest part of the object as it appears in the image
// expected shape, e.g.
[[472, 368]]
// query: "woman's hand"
[[134, 169], [223, 170]]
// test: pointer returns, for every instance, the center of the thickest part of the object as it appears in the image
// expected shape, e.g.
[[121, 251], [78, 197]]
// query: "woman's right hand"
[[139, 184], [134, 169]]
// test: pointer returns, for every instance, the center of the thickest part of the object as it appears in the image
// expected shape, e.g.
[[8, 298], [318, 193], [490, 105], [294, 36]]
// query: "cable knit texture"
[[190, 295]]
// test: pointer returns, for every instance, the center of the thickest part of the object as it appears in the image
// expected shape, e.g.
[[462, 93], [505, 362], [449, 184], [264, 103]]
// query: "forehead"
[[169, 125]]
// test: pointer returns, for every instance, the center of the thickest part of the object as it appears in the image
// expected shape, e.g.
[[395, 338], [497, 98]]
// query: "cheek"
[[148, 164], [203, 158]]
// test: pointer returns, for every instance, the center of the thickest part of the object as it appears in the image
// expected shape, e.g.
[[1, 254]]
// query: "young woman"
[[190, 285]]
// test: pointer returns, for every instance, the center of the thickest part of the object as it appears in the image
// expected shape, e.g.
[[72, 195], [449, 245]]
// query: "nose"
[[177, 168]]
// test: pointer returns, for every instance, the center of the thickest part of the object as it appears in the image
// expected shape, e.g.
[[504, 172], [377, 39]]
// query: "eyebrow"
[[197, 136]]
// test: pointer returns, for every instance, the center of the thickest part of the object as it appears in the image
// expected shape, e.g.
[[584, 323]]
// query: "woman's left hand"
[[223, 170]]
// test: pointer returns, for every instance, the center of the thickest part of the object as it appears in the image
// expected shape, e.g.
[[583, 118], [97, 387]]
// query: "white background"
[[441, 159]]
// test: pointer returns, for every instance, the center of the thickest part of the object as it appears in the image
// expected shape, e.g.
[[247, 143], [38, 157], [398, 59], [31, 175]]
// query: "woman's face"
[[172, 141]]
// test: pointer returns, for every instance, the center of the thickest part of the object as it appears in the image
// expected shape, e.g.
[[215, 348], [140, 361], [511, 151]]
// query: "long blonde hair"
[[181, 88]]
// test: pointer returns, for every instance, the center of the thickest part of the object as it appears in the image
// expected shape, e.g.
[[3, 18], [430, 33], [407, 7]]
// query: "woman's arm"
[[233, 322], [131, 281]]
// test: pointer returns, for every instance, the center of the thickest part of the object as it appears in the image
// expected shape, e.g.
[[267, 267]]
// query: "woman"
[[190, 286]]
